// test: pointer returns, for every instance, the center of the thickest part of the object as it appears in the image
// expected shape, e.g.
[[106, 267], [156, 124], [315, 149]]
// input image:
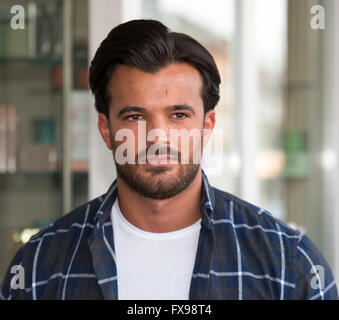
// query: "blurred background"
[[279, 108]]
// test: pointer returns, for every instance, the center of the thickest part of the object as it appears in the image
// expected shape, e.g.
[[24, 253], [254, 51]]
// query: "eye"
[[180, 116], [133, 117]]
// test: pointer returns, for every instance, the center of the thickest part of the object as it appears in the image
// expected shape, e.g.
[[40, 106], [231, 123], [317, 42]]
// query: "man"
[[161, 231]]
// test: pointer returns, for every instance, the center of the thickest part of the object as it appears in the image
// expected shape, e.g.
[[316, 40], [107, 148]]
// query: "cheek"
[[127, 137], [189, 144]]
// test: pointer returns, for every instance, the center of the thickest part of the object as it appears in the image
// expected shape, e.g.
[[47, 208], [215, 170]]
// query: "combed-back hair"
[[150, 46]]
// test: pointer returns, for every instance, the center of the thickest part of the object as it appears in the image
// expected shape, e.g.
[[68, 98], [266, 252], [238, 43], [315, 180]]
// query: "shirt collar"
[[207, 194], [207, 202], [107, 203]]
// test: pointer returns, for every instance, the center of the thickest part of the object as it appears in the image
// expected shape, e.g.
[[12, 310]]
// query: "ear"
[[209, 123], [103, 125]]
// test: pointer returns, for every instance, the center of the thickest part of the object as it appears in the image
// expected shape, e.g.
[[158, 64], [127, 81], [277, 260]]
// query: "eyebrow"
[[130, 109], [182, 107], [177, 107]]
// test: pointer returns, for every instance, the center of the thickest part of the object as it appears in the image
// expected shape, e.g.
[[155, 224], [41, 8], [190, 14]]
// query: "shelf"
[[37, 174], [35, 61], [30, 173]]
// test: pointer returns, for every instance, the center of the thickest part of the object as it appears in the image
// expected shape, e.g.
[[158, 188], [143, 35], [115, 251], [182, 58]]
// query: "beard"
[[157, 184]]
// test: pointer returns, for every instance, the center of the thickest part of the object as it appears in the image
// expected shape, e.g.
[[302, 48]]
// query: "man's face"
[[168, 100]]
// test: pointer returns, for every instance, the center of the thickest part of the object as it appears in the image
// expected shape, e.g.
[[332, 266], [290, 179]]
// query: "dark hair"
[[150, 46]]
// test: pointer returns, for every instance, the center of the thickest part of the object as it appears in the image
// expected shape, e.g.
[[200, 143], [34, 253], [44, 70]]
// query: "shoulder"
[[266, 244], [81, 217], [54, 245], [251, 217], [271, 246]]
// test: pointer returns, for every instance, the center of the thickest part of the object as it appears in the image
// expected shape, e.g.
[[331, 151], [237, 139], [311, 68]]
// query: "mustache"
[[166, 150]]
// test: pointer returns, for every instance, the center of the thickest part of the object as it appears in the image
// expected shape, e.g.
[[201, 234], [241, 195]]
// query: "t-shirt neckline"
[[187, 231]]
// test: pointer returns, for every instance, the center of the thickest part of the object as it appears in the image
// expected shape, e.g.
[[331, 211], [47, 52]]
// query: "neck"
[[164, 215]]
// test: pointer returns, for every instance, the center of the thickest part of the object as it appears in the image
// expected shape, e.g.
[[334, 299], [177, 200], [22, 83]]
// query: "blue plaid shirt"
[[243, 253]]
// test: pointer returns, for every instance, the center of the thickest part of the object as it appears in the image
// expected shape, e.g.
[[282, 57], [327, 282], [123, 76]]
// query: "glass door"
[[33, 156]]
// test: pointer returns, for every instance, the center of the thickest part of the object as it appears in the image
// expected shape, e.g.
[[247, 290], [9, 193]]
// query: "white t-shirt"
[[153, 266]]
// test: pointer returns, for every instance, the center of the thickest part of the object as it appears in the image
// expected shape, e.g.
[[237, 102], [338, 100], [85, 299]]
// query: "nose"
[[157, 130]]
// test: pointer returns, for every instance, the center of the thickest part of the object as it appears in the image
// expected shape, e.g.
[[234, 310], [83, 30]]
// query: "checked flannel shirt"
[[243, 253]]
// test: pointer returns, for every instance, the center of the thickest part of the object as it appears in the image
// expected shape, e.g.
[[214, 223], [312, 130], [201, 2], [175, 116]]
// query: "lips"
[[159, 160]]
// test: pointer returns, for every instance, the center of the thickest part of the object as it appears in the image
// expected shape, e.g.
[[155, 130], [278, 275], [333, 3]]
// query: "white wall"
[[103, 16], [334, 65], [246, 99], [330, 154]]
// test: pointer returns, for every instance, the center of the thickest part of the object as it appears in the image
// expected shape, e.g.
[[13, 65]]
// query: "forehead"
[[176, 83]]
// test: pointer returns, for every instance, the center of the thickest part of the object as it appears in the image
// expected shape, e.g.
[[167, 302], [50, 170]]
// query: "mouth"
[[161, 160]]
